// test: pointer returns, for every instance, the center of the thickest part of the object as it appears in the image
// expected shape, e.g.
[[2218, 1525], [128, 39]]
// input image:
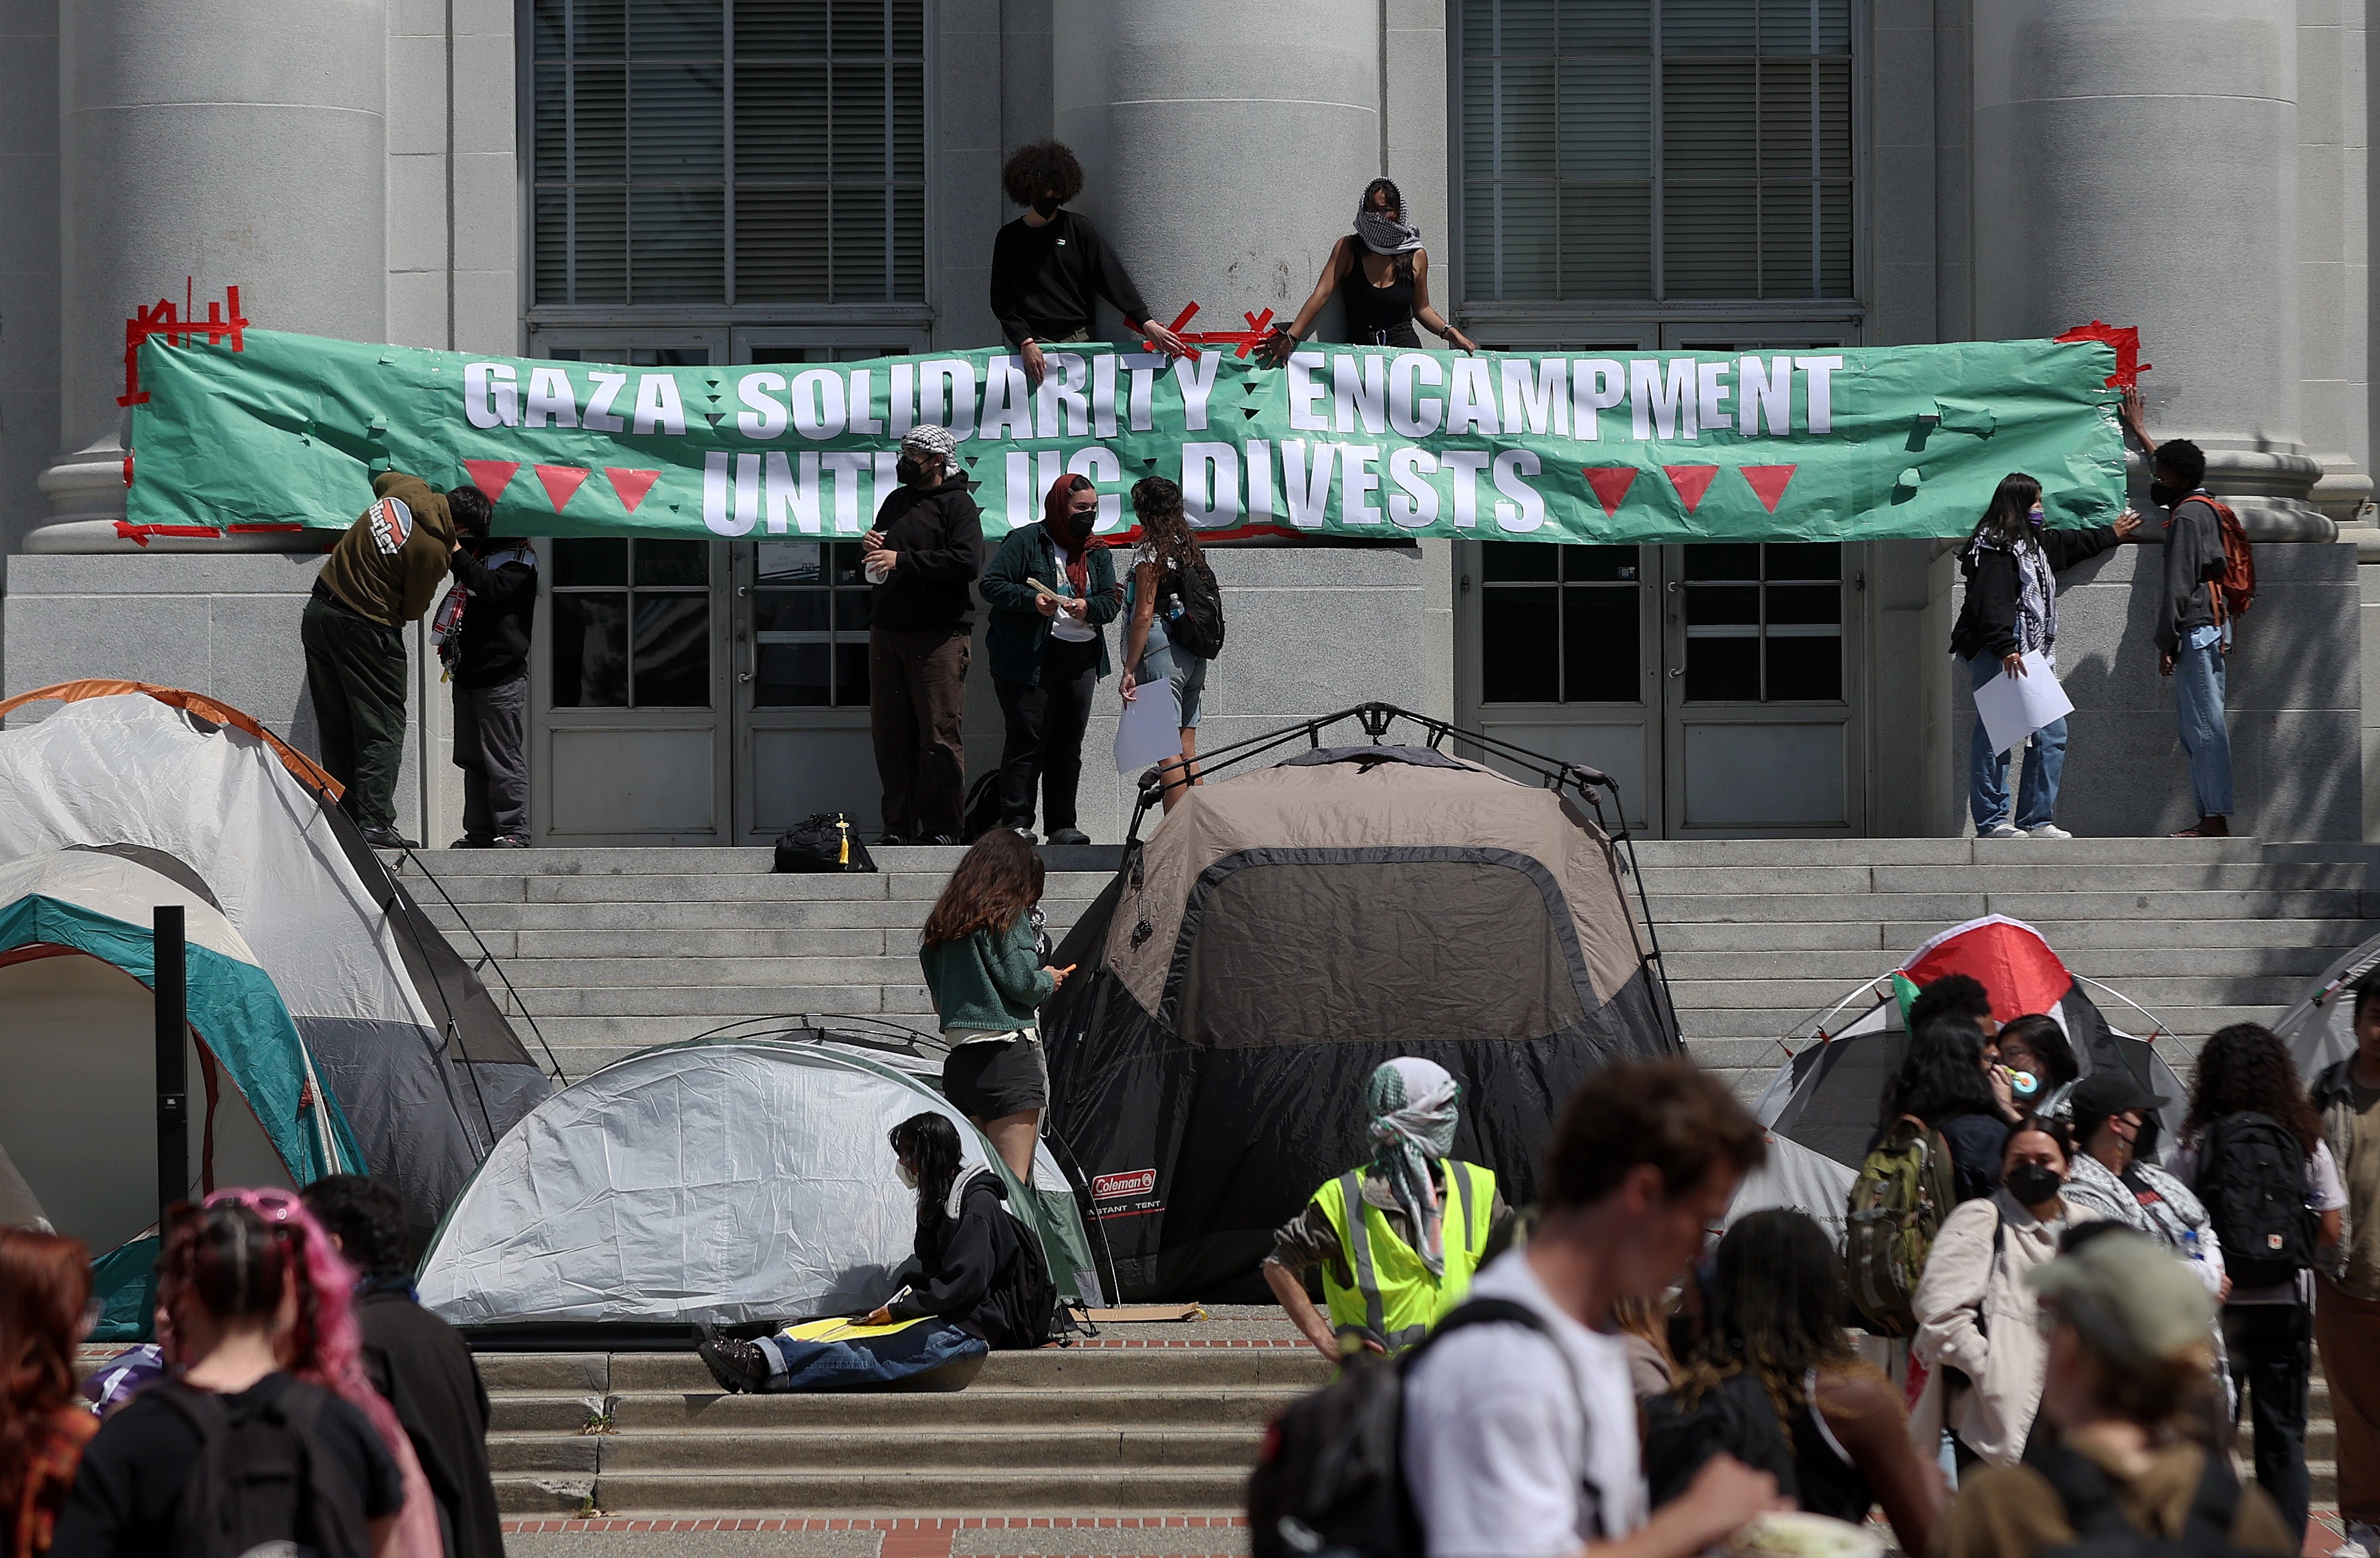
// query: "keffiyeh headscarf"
[[1382, 233], [1412, 1102], [933, 441]]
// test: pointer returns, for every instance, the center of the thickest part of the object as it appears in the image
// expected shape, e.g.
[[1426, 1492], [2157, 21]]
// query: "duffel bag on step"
[[826, 841]]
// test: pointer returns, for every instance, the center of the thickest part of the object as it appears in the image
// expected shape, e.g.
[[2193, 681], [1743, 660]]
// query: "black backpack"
[[827, 841], [1195, 627], [262, 1479], [1022, 1293], [2252, 1174], [2101, 1529], [1330, 1474], [1736, 1419]]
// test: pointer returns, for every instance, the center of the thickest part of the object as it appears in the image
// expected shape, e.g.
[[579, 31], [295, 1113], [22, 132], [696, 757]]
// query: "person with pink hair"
[[254, 1309]]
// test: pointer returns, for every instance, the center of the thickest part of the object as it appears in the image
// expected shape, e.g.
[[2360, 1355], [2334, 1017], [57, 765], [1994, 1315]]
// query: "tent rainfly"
[[421, 1060], [2319, 1029], [720, 1179], [1285, 930]]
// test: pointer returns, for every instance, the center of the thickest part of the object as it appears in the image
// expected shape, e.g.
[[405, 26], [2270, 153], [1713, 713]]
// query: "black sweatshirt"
[[497, 619], [959, 1260], [1046, 281], [937, 533], [1987, 618]]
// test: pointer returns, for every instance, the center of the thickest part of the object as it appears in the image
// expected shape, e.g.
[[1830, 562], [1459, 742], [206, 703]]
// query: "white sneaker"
[[2048, 830], [1999, 830], [2361, 1542]]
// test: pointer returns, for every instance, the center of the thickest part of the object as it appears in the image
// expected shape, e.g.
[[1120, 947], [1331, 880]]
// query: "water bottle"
[[2189, 1245]]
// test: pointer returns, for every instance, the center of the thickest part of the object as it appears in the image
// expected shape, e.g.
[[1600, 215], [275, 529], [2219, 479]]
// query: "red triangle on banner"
[[1691, 480], [632, 485], [1768, 483], [492, 477], [1610, 484], [560, 481]]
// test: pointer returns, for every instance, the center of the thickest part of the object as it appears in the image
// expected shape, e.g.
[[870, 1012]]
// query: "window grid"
[[728, 152], [1583, 649], [1593, 198], [632, 624], [1768, 594], [810, 596]]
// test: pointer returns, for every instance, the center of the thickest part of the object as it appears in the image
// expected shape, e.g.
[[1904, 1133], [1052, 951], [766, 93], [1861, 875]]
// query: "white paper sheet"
[[2012, 708], [1150, 730]]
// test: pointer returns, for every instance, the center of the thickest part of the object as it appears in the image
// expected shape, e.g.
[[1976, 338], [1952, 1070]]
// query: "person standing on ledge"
[[380, 577], [2191, 641], [483, 630], [1049, 267], [1381, 273]]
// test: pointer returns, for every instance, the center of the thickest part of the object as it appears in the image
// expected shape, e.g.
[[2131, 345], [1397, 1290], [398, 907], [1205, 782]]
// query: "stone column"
[[236, 141], [2136, 161]]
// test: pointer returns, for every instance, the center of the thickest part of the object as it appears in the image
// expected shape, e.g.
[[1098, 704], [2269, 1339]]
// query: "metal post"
[[173, 1072]]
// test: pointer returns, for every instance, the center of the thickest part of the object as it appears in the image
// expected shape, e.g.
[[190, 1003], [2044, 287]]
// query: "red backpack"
[[2233, 591]]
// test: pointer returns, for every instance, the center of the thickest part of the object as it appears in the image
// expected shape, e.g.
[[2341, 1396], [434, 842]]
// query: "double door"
[[700, 691]]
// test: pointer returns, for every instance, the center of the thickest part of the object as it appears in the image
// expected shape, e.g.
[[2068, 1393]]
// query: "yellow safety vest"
[[1394, 1296]]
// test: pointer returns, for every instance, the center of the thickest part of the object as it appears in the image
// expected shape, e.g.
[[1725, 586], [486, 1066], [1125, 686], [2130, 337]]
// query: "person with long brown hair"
[[1380, 273], [1167, 556], [1052, 590], [44, 1286], [986, 975]]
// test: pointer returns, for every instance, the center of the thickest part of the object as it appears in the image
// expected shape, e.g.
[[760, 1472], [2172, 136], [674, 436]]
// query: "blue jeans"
[[2198, 707], [2045, 758]]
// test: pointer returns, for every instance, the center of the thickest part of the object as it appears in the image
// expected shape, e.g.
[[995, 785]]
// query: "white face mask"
[[909, 1175]]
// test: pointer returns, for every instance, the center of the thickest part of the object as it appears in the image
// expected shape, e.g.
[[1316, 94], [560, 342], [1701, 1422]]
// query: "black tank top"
[[1376, 315]]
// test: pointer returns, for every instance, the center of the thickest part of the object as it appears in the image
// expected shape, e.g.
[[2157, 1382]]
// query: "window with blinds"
[[691, 152], [1656, 149]]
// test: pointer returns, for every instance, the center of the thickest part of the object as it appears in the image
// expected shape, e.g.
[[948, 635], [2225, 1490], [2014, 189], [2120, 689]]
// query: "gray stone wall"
[[2295, 696], [29, 260]]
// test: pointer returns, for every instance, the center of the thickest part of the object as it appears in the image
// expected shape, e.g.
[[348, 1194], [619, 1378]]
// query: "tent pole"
[[173, 1073]]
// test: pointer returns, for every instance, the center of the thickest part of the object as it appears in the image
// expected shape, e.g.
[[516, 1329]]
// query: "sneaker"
[[942, 839], [2209, 827], [388, 839], [741, 1368], [469, 841], [1070, 836], [2048, 830], [509, 841], [1998, 829], [892, 841], [2362, 1541]]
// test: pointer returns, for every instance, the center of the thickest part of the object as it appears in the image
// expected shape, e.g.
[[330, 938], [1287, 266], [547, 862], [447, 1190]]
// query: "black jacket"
[[938, 533], [496, 620], [960, 1262], [1987, 618], [1018, 632], [1046, 281], [419, 1363]]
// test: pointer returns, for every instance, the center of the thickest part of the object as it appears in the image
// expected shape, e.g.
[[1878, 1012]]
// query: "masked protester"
[[2011, 563], [1398, 1237], [1379, 273], [1052, 590], [482, 629], [922, 558], [1050, 267]]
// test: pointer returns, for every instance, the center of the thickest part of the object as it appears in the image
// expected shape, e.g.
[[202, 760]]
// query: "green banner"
[[1822, 444]]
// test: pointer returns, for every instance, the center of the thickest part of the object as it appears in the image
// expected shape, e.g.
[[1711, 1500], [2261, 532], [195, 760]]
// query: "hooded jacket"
[[960, 1263], [392, 559], [938, 532], [1987, 617]]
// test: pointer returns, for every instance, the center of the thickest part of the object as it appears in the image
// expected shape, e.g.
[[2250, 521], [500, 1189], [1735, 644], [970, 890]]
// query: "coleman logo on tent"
[[1108, 1186], [391, 523]]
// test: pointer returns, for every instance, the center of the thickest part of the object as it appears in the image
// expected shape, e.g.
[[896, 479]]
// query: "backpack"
[[2252, 1174], [1903, 1192], [1022, 1292], [826, 841], [1330, 1473], [1194, 623], [2232, 592], [983, 806], [1737, 1418], [2101, 1527], [261, 1484]]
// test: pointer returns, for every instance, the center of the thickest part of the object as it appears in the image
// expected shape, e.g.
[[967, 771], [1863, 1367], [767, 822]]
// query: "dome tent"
[[725, 1179], [203, 794], [2320, 1028], [1285, 930]]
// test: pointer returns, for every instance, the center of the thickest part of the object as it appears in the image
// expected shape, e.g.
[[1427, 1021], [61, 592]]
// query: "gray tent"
[[2319, 1029], [724, 1179]]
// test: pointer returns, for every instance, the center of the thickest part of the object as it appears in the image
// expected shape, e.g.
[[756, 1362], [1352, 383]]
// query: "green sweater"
[[993, 979]]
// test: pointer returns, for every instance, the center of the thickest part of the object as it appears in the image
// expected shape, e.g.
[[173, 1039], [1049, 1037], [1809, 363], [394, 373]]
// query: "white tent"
[[720, 1179], [2319, 1029], [425, 1066]]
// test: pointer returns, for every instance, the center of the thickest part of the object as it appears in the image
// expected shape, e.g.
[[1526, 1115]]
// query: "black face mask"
[[2032, 1184], [2164, 494], [910, 473], [1046, 207], [1075, 529]]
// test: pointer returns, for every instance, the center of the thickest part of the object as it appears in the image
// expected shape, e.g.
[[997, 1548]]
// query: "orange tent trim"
[[308, 773]]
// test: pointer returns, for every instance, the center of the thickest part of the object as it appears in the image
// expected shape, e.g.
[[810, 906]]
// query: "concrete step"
[[709, 914], [2291, 963], [2071, 937], [722, 887], [1666, 880], [716, 970], [2154, 992], [1018, 1448], [1724, 1022], [843, 1491], [1947, 908], [1966, 851], [981, 1407]]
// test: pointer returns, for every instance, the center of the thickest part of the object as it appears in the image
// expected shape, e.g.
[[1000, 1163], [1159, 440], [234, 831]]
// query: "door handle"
[[743, 676], [1674, 671], [1676, 588]]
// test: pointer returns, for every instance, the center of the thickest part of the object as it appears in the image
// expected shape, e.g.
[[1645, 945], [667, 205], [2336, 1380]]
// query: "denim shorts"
[[1185, 672]]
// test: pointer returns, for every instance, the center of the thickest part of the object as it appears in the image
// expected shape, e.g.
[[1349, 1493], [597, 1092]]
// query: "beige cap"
[[2129, 1296]]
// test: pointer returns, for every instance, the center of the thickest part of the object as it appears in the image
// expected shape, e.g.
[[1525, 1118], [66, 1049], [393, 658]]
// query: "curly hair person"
[[1941, 1074], [1042, 168], [1157, 505], [2247, 1068], [993, 884]]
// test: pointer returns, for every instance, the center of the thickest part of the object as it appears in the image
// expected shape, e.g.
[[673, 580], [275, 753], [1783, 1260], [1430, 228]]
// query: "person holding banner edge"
[[1380, 272], [2010, 562], [1050, 267]]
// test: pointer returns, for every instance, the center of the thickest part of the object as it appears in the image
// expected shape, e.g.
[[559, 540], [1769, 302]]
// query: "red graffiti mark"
[[1768, 483], [1610, 484], [492, 477], [2125, 339], [139, 534], [632, 485], [176, 327], [1691, 480], [1260, 326], [560, 481]]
